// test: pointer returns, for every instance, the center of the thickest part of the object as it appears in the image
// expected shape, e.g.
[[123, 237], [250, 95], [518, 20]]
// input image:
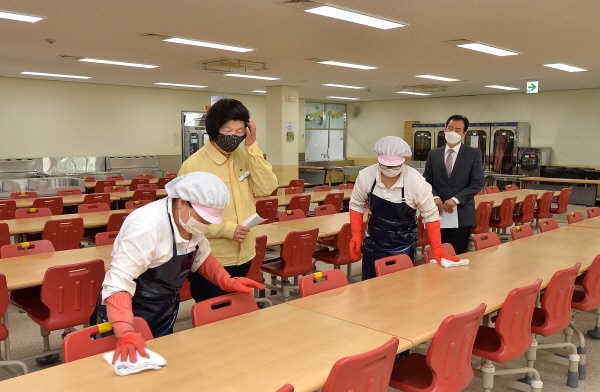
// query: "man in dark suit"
[[455, 172]]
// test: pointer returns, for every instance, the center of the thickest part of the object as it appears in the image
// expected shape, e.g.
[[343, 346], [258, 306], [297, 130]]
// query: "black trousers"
[[458, 238], [201, 288]]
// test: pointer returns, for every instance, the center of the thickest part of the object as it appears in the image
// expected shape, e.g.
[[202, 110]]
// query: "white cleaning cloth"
[[448, 263], [155, 362]]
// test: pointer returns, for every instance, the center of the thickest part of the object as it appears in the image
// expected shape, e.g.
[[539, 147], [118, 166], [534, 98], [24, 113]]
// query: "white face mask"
[[452, 137], [192, 226], [390, 172]]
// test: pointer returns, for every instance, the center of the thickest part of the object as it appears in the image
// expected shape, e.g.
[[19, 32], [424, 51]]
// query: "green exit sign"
[[533, 87]]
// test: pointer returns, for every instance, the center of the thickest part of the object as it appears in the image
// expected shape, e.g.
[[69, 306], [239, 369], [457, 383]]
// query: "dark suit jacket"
[[464, 182]]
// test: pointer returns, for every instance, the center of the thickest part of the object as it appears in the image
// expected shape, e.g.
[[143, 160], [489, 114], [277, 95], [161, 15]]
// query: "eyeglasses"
[[389, 167]]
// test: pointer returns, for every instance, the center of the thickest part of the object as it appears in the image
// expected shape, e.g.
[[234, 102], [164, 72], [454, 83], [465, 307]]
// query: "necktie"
[[449, 162]]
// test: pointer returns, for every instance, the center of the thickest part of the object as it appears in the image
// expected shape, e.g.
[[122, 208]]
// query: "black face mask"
[[228, 143]]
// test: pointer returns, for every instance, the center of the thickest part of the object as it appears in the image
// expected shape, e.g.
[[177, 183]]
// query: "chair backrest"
[[161, 182], [32, 212], [115, 221], [390, 264], [300, 202], [297, 251], [589, 298], [171, 175], [322, 188], [325, 209], [148, 176], [4, 234], [115, 188], [511, 187], [562, 202], [446, 247], [7, 209], [92, 198], [70, 292], [147, 186], [479, 193], [68, 192], [555, 312], [592, 212], [449, 355], [94, 207], [130, 205], [505, 213], [54, 203], [115, 178], [137, 181], [336, 199], [486, 240], [321, 281], [369, 371], [293, 189], [222, 307], [3, 306], [527, 209], [547, 225], [297, 183], [349, 185], [267, 209], [483, 212], [100, 185], [286, 388], [64, 233], [88, 179], [543, 205], [23, 195], [573, 217], [290, 215], [144, 194], [85, 342], [492, 189], [105, 238], [518, 232], [26, 248], [260, 248]]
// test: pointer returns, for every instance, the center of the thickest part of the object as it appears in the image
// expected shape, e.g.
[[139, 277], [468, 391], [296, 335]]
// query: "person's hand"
[[355, 247], [250, 132], [357, 230], [439, 205], [129, 346], [449, 205], [240, 233], [438, 253], [242, 285]]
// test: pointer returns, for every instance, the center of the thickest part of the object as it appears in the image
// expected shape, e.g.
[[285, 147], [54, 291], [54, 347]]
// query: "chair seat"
[[3, 332], [26, 298], [538, 320], [487, 344], [331, 257], [411, 373], [328, 241], [276, 268]]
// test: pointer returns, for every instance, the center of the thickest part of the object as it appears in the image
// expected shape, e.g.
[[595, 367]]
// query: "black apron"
[[156, 297], [391, 230]]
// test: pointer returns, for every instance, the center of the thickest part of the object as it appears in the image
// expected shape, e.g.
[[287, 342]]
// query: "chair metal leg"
[[595, 333]]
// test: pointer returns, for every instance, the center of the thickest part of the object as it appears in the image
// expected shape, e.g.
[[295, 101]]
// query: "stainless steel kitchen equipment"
[[507, 138], [131, 166], [193, 133]]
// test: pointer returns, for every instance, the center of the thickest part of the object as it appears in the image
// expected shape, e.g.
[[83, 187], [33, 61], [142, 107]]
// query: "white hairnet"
[[206, 193]]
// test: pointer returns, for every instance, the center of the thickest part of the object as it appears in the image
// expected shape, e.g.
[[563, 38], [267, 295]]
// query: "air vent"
[[233, 65], [460, 41], [299, 3], [69, 57], [423, 88], [155, 36]]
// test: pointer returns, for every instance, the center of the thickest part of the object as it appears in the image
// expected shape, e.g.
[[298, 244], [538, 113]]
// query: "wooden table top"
[[67, 200], [328, 224], [129, 194], [315, 197], [279, 345], [92, 184], [519, 194], [561, 180], [590, 223]]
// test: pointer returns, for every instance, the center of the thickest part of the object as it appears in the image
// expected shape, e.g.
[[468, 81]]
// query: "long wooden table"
[[68, 200], [315, 197], [590, 223], [129, 194], [92, 184]]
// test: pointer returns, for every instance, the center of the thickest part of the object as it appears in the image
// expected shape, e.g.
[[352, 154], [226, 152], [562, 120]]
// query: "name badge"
[[244, 176]]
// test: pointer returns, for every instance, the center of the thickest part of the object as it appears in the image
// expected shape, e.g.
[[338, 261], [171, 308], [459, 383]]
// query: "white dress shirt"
[[454, 155]]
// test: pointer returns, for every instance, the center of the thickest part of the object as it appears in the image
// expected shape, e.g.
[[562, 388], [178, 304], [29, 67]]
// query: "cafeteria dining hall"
[[299, 195]]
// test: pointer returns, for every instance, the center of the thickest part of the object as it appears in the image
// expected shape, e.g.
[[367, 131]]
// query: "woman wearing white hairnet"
[[393, 192], [157, 246]]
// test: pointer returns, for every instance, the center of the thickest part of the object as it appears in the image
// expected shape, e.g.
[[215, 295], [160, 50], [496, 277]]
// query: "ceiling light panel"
[[434, 77], [487, 49], [180, 85], [342, 86], [411, 93], [204, 44], [259, 91], [20, 17], [354, 17], [348, 65], [343, 98], [251, 76], [565, 67], [503, 87], [124, 64], [55, 75]]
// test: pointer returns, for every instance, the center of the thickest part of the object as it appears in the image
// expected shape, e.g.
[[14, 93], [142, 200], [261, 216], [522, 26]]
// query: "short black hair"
[[221, 112], [458, 117]]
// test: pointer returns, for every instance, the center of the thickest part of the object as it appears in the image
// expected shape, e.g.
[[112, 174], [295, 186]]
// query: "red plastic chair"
[[342, 187], [293, 190], [325, 209], [297, 183], [148, 176], [254, 272], [588, 300], [553, 316], [115, 221], [290, 215], [222, 307], [335, 199], [147, 186], [562, 202], [267, 209], [144, 194], [68, 297], [510, 337], [547, 225], [64, 233], [32, 212], [7, 209], [447, 365], [486, 240], [321, 281], [68, 192], [479, 193], [4, 234], [428, 254], [105, 238], [542, 211], [519, 232], [114, 188], [171, 175], [161, 182], [525, 215], [100, 185], [340, 255], [96, 207], [301, 202], [286, 388], [137, 181], [511, 187], [296, 259], [483, 212], [54, 203], [88, 179], [23, 195], [92, 198], [26, 248], [85, 342], [574, 217], [322, 188], [391, 264], [592, 212], [492, 189], [131, 205], [369, 371], [505, 215], [114, 178], [3, 329], [184, 291]]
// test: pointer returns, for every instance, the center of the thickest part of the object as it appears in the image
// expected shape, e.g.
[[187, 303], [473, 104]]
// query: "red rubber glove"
[[120, 316], [435, 241], [357, 229], [212, 270]]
